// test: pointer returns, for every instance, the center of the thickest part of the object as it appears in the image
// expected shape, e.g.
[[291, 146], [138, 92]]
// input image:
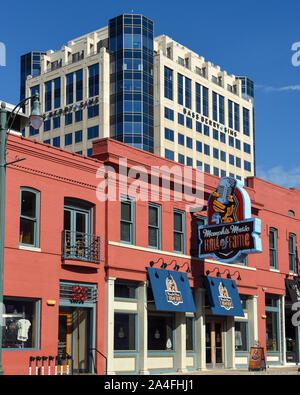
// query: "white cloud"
[[280, 89], [289, 178]]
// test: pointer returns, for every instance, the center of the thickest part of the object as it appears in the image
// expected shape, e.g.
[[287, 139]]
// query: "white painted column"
[[252, 319], [109, 324], [143, 329], [200, 328], [180, 342], [230, 337]]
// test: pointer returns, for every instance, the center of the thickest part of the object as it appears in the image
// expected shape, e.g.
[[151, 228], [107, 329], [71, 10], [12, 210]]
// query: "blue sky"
[[245, 38]]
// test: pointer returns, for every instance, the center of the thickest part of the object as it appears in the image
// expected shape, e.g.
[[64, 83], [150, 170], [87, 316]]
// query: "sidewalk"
[[281, 370]]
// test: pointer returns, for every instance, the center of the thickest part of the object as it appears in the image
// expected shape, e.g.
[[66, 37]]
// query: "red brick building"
[[76, 266]]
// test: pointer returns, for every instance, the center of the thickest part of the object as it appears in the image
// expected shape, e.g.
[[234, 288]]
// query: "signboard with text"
[[230, 233]]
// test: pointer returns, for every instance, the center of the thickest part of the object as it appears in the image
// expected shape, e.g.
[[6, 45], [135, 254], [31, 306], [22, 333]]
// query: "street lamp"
[[36, 120]]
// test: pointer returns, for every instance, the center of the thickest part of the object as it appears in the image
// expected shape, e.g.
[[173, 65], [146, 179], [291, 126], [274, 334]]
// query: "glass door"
[[76, 226], [215, 343]]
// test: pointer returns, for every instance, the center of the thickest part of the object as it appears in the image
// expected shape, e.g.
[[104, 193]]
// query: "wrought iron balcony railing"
[[80, 246]]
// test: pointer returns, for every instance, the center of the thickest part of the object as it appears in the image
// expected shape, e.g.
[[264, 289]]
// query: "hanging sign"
[[231, 233]]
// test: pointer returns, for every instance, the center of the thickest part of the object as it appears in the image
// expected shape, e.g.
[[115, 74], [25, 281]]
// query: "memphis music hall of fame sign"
[[231, 233]]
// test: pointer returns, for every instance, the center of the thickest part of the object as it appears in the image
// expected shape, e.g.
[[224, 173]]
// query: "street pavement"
[[275, 371]]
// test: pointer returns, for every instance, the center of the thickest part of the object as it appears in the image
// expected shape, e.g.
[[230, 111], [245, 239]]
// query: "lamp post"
[[36, 120]]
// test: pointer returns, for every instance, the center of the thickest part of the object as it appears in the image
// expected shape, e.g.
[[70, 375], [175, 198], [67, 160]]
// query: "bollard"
[[49, 364], [43, 361], [31, 359], [37, 359]]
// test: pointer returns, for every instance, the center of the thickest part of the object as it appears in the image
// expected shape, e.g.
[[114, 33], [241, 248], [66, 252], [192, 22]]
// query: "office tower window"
[[198, 127], [154, 225], [78, 136], [189, 142], [68, 118], [198, 146], [205, 101], [181, 119], [89, 152], [216, 172], [181, 159], [247, 148], [93, 111], [273, 247], [223, 173], [169, 154], [93, 132], [94, 80], [56, 142], [223, 137], [189, 122], [169, 134], [56, 122], [215, 134], [179, 231], [180, 88], [292, 253], [236, 117], [168, 83], [237, 144], [189, 161], [47, 125], [231, 159], [223, 156], [206, 149], [69, 88], [206, 130], [199, 165], [206, 168], [231, 141], [238, 162], [68, 139], [78, 115], [221, 110], [246, 126], [247, 165], [48, 96], [57, 93], [216, 153], [180, 139], [169, 114], [127, 220], [188, 93], [198, 97], [230, 114], [79, 85], [215, 106], [48, 141]]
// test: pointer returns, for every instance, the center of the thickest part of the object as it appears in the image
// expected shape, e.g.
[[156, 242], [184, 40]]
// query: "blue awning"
[[171, 290], [223, 296]]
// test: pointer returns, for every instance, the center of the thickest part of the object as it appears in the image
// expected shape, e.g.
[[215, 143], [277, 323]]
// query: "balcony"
[[82, 247]]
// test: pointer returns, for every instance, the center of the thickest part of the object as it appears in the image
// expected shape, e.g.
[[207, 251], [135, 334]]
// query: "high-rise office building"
[[152, 93]]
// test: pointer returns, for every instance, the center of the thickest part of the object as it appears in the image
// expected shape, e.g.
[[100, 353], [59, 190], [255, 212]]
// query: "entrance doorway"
[[74, 339], [215, 343]]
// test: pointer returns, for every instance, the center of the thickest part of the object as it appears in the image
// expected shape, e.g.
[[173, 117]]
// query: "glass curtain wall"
[[131, 80]]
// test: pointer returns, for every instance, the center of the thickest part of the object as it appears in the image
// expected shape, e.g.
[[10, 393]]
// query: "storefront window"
[[126, 290], [241, 336], [190, 334], [272, 322], [19, 323], [124, 332], [160, 332]]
